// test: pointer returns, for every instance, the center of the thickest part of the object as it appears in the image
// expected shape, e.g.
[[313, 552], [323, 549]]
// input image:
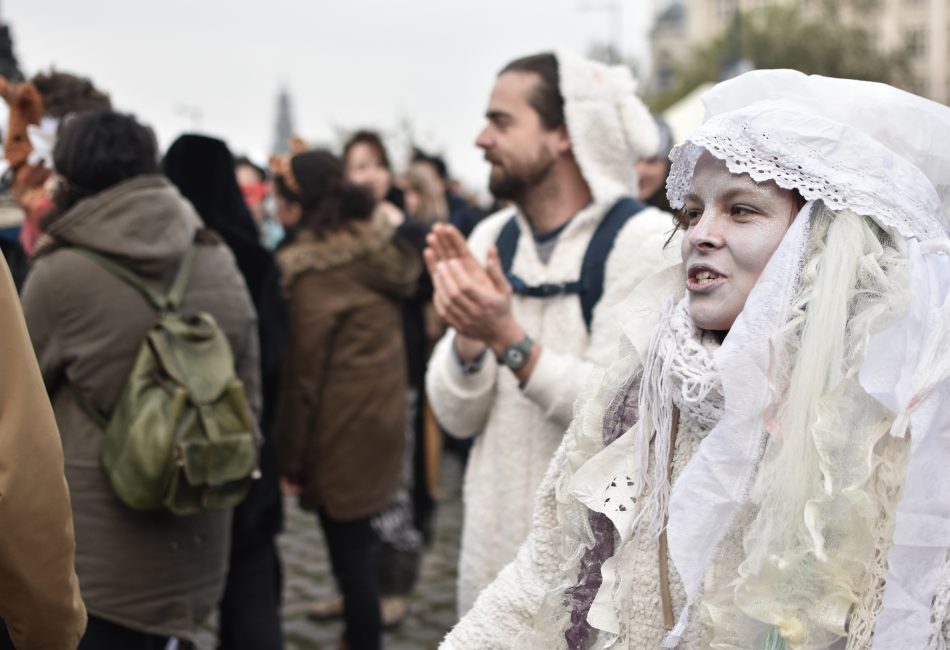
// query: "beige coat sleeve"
[[39, 592]]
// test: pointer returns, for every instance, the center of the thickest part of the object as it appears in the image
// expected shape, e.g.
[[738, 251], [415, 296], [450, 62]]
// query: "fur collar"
[[335, 249]]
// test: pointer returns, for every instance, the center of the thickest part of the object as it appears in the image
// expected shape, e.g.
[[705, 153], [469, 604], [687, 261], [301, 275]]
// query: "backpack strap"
[[590, 286], [598, 250], [507, 244], [162, 302], [176, 294]]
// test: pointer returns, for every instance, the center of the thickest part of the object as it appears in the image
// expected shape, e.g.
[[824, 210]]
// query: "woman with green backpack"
[[147, 342]]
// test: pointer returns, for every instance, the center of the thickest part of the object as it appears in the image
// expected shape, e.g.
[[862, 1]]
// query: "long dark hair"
[[328, 202], [95, 151]]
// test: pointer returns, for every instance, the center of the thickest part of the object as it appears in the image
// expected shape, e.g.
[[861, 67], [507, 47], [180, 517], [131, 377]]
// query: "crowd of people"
[[699, 387]]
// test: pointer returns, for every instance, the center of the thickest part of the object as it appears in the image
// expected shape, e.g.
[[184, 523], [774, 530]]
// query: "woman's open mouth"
[[702, 278]]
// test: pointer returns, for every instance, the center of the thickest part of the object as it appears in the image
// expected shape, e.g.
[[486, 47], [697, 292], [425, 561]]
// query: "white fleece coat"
[[517, 429]]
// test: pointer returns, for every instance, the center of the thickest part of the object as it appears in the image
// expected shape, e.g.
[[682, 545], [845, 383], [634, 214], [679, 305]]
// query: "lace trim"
[[845, 168]]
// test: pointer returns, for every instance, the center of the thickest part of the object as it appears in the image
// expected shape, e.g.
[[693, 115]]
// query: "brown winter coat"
[[39, 594], [342, 416], [149, 571]]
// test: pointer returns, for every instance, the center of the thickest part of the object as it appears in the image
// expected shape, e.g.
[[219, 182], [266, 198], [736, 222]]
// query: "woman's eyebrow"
[[728, 195]]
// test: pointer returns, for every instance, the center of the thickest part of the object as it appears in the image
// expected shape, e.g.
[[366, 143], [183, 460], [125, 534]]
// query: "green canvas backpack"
[[181, 436]]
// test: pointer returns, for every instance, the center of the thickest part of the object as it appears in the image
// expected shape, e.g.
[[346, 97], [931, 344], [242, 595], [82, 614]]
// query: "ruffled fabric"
[[627, 482], [907, 368]]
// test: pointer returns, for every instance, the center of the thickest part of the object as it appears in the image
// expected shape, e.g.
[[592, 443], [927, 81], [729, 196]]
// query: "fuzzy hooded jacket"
[[37, 577], [153, 572], [342, 407], [518, 428]]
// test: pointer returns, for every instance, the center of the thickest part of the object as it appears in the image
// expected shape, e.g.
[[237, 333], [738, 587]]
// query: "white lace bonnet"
[[882, 152], [885, 154]]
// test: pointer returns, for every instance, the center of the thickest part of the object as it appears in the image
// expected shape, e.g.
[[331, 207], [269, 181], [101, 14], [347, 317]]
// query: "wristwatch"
[[516, 355]]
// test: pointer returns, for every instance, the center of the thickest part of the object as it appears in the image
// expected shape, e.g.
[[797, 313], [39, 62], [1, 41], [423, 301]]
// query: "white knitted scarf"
[[679, 371]]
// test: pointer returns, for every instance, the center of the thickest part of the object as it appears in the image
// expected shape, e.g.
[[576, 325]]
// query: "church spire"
[[284, 127]]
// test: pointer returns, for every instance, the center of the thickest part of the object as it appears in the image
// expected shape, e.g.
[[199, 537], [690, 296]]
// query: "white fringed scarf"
[[679, 371]]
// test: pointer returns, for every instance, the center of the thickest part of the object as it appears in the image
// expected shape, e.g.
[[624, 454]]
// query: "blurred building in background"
[[913, 30], [284, 124]]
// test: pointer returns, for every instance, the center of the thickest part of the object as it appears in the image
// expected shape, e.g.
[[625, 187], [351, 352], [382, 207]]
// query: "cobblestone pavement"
[[307, 578]]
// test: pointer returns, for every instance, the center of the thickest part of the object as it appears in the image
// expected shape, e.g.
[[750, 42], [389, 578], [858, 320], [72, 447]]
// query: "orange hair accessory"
[[296, 145], [280, 166]]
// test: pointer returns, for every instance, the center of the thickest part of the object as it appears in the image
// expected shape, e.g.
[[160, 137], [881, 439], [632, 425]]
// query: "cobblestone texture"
[[307, 578]]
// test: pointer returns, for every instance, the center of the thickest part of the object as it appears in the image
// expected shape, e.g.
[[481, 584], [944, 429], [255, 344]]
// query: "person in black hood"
[[203, 170]]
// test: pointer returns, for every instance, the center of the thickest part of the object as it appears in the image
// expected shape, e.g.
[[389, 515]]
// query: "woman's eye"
[[742, 210], [687, 217]]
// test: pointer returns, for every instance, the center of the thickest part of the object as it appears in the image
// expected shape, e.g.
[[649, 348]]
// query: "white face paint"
[[734, 226]]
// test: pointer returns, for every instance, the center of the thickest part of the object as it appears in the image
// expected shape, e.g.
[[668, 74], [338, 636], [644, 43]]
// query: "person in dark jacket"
[[342, 412], [203, 170], [146, 576]]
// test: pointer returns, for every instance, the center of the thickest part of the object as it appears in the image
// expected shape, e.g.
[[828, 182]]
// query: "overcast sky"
[[347, 63]]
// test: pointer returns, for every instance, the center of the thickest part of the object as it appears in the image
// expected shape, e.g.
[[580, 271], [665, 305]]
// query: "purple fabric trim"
[[620, 416]]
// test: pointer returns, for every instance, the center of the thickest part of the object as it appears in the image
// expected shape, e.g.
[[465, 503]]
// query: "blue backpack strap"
[[507, 244], [598, 250], [590, 286]]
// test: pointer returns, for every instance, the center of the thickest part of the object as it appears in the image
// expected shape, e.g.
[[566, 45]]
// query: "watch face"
[[516, 356]]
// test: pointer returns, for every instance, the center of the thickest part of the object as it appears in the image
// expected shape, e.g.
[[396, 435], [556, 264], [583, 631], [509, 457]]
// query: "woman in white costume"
[[767, 464]]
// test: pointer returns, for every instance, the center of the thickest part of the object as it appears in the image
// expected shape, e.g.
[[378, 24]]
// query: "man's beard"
[[515, 185]]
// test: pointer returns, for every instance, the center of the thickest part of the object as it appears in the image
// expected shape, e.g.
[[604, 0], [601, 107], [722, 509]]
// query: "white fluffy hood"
[[608, 124]]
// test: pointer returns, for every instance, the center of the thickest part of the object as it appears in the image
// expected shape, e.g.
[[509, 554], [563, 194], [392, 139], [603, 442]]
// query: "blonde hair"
[[826, 489], [432, 207]]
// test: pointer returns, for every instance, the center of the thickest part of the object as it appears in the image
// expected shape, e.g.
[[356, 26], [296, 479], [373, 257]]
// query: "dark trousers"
[[250, 608], [397, 571], [352, 548], [5, 642], [103, 635]]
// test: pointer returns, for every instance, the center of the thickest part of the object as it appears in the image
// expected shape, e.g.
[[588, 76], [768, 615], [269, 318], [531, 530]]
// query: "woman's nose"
[[706, 233]]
